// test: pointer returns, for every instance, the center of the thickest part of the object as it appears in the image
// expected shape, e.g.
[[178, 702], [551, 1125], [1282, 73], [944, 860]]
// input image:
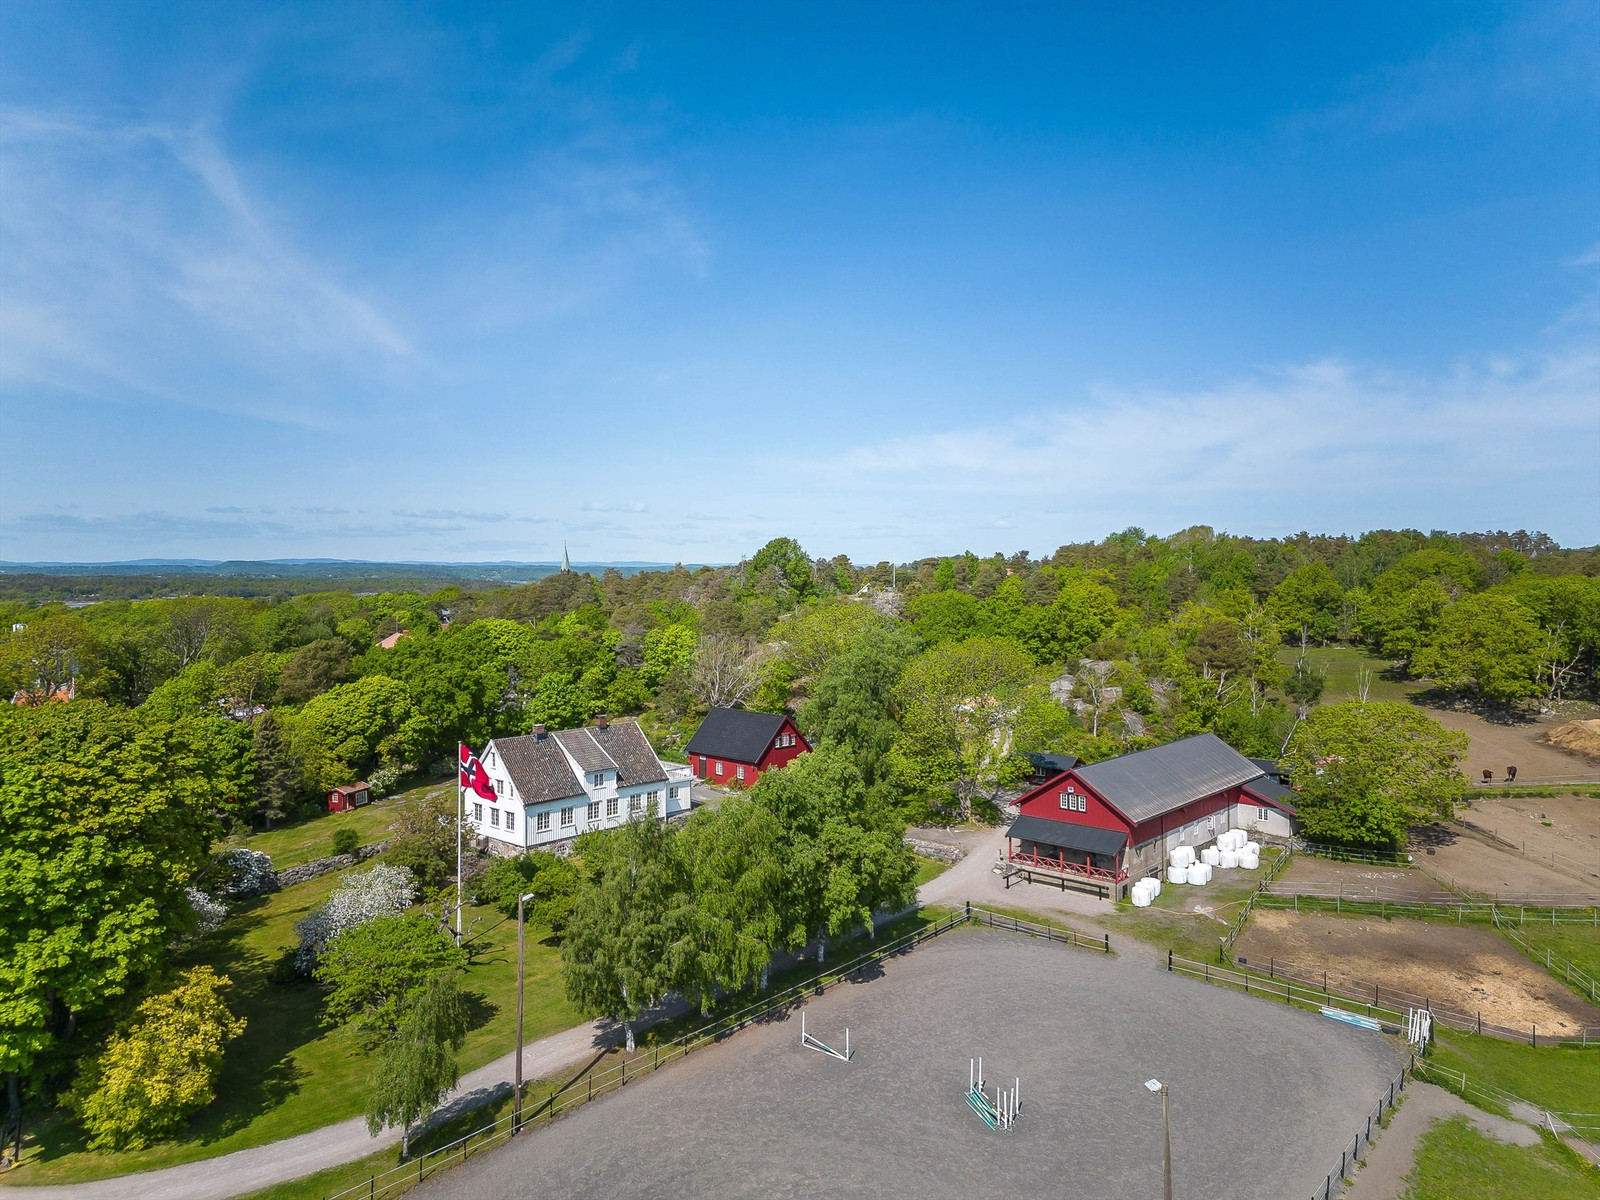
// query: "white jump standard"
[[999, 1113], [811, 1043]]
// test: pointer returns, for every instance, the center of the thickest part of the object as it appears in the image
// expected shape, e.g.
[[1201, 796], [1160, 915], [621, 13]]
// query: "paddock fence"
[[1580, 1124], [1268, 877], [1334, 1183], [1575, 977], [1309, 987]]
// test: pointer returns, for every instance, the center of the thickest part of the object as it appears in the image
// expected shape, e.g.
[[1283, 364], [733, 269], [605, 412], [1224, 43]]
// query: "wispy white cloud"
[[615, 506], [140, 266], [1314, 430]]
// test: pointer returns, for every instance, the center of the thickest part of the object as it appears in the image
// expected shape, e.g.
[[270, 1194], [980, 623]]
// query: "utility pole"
[[1155, 1085], [516, 1104]]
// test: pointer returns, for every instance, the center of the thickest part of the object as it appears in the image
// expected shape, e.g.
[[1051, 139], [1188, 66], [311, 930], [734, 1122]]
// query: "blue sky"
[[664, 281]]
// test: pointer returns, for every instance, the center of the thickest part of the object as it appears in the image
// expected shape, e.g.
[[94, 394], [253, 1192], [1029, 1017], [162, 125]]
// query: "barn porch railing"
[[1065, 866]]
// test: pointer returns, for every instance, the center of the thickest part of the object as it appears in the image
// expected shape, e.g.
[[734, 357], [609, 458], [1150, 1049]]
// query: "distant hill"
[[81, 583]]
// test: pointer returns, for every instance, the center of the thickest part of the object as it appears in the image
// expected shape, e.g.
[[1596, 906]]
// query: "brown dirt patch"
[[1496, 746], [1577, 737], [1362, 881], [1486, 867], [1562, 831], [1462, 969]]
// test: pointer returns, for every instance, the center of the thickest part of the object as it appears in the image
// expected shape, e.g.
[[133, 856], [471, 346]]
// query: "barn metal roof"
[[1148, 783], [1067, 835], [1273, 792]]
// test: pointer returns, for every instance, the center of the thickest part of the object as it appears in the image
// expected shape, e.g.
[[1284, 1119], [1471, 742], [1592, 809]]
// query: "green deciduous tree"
[[103, 818], [667, 648], [553, 882], [1367, 772], [1308, 603], [1489, 643], [343, 733], [956, 700], [374, 971], [418, 1066], [842, 851], [161, 1068], [852, 701], [616, 949]]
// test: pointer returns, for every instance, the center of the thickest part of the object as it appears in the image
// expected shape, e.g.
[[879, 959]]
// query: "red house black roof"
[[736, 733]]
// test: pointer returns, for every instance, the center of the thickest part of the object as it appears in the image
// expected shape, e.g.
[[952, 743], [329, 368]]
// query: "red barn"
[[733, 746], [1117, 820], [348, 797]]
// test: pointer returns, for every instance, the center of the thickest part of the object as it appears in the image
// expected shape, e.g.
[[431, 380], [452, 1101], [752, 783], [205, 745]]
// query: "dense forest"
[[142, 732], [1100, 648]]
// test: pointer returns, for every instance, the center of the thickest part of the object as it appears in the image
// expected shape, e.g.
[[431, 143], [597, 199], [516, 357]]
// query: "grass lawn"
[[930, 868], [1578, 944], [1342, 663], [286, 1074], [312, 838], [1559, 1079], [1455, 1160]]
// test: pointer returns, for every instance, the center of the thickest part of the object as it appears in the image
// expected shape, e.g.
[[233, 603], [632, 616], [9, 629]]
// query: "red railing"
[[1060, 863]]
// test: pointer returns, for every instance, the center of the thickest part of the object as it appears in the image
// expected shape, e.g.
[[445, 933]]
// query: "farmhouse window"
[[1073, 802], [477, 812], [635, 804], [594, 810], [566, 817], [499, 787], [494, 817], [739, 773], [1265, 813], [511, 819], [541, 821], [598, 778], [719, 768], [612, 805]]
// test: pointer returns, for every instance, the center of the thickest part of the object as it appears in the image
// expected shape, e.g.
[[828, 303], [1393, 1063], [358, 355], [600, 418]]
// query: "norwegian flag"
[[473, 775]]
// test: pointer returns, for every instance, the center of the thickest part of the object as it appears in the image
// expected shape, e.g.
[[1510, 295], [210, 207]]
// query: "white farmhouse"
[[551, 786]]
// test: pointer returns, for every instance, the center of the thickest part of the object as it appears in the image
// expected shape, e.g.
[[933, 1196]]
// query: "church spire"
[[566, 563]]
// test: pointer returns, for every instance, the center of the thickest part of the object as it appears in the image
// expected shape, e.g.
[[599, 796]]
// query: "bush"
[[372, 971], [208, 913], [161, 1069], [346, 841], [244, 874], [382, 781], [552, 880], [420, 856], [380, 892]]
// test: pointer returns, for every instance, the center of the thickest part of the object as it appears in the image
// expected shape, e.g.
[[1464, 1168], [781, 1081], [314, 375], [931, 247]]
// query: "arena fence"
[[1576, 977], [1334, 1183], [592, 1084], [1310, 987]]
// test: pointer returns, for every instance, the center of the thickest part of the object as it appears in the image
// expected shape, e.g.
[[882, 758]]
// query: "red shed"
[[348, 797], [1115, 820], [733, 746]]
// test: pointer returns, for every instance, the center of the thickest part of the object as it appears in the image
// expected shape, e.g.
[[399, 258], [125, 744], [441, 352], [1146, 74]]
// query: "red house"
[[733, 746], [348, 797], [1117, 820]]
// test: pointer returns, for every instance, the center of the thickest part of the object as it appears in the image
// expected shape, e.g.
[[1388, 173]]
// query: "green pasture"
[[1455, 1160]]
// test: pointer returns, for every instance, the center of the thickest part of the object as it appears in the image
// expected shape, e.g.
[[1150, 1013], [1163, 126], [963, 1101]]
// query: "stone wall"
[[938, 850], [334, 862]]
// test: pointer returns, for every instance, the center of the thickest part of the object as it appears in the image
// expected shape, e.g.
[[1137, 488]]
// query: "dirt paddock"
[[1363, 881], [1465, 969]]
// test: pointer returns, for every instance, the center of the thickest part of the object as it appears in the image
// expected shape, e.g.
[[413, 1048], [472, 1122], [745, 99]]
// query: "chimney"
[[601, 720], [538, 733]]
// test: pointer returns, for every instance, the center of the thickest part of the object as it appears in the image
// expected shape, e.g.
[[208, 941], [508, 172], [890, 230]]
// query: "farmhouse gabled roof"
[[1148, 783], [625, 744], [542, 772], [538, 768], [1052, 764], [1068, 835], [735, 733]]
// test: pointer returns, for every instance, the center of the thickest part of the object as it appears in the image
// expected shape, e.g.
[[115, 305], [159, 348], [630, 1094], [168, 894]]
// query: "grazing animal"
[[1511, 774], [1488, 775]]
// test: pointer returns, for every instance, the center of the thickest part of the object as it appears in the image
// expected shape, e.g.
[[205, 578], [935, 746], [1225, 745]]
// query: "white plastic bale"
[[1210, 856], [1249, 861], [1230, 860], [1197, 873], [1205, 872], [1177, 874], [1140, 898], [1253, 847], [1183, 856]]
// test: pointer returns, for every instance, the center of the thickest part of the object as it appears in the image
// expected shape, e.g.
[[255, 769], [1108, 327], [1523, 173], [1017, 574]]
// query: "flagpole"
[[461, 809]]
